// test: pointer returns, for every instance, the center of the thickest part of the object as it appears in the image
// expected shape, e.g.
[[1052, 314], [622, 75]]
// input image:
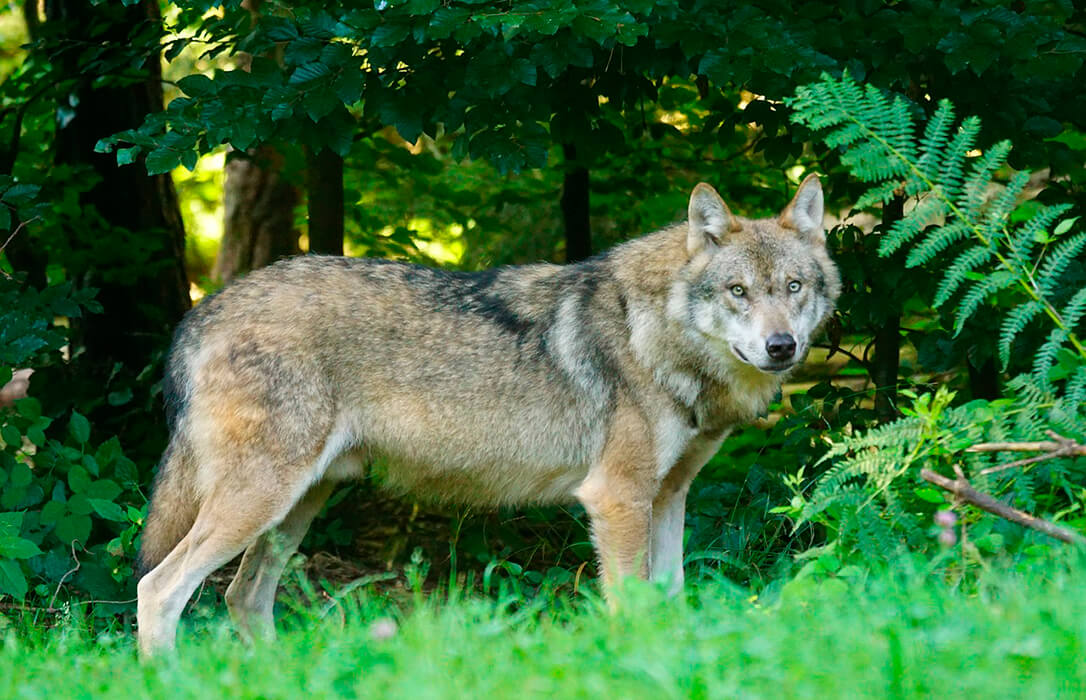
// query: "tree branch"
[[963, 490], [1059, 447]]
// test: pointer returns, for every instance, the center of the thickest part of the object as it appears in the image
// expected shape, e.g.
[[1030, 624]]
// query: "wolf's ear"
[[708, 219], [804, 212]]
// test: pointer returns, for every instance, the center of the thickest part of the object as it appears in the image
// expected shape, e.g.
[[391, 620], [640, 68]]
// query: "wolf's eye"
[[737, 290], [794, 286]]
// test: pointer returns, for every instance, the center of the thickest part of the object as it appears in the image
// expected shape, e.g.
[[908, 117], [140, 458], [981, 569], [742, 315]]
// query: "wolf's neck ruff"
[[611, 381]]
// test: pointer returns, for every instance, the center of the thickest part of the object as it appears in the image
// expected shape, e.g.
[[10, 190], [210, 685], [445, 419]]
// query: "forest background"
[[150, 152]]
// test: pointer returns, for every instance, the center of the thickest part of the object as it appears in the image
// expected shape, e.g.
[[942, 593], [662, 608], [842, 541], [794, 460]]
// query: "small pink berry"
[[946, 518], [947, 538]]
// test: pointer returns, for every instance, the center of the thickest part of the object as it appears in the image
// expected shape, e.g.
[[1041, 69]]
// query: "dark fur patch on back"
[[475, 293]]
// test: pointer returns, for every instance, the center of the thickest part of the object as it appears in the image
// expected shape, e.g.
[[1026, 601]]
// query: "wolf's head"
[[757, 290]]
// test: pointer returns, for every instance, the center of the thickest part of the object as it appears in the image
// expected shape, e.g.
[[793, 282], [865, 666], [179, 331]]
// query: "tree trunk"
[[324, 193], [575, 202], [258, 223], [887, 358], [140, 270], [258, 227]]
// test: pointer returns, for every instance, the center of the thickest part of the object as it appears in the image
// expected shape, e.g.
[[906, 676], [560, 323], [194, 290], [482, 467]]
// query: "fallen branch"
[[1059, 447], [964, 491]]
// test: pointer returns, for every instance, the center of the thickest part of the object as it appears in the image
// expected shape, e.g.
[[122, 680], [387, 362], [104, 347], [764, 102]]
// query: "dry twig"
[[964, 491], [1059, 447]]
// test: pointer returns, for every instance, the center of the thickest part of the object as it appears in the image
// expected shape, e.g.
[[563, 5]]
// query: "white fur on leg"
[[668, 519]]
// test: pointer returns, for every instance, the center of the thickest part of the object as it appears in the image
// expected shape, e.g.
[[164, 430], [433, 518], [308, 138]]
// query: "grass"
[[890, 636]]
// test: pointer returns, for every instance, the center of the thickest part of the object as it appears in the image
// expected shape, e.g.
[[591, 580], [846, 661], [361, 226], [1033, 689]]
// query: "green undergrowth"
[[895, 634]]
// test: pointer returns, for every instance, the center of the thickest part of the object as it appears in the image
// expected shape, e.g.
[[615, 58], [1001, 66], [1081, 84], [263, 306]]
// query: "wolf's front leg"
[[668, 520], [618, 494], [620, 533], [669, 513]]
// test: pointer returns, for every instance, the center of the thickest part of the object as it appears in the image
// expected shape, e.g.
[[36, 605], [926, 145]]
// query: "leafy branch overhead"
[[951, 180]]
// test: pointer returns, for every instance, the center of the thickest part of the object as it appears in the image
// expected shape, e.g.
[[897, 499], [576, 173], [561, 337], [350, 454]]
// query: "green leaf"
[[196, 85], [108, 510], [1064, 226], [11, 524], [18, 548], [108, 451], [36, 435], [29, 407], [446, 20], [523, 71], [51, 512], [309, 72], [105, 489], [278, 28], [162, 160], [79, 504], [125, 471], [11, 435], [73, 528], [119, 398], [12, 580], [79, 428], [930, 495], [78, 479], [127, 156], [21, 475]]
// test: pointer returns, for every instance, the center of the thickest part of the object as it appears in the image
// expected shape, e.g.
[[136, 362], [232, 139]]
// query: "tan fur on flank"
[[611, 381]]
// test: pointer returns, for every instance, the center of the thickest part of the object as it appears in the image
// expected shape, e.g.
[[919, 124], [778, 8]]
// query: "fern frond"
[[966, 262], [980, 291], [879, 194], [1057, 261], [951, 171], [1074, 394], [1045, 358], [1016, 320], [901, 432], [975, 188], [1021, 244], [994, 221], [932, 149], [899, 130], [910, 225], [937, 241], [873, 161], [1073, 311]]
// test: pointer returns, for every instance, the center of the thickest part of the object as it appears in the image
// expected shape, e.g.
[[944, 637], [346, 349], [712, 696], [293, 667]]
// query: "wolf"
[[611, 382]]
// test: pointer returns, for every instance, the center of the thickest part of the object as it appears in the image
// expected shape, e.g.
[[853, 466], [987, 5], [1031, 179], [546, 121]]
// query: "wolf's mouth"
[[774, 368]]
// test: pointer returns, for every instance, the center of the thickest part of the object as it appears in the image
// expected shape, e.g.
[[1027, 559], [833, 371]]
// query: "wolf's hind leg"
[[251, 595], [228, 522]]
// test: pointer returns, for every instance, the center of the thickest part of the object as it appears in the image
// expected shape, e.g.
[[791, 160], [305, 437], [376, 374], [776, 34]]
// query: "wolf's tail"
[[173, 510]]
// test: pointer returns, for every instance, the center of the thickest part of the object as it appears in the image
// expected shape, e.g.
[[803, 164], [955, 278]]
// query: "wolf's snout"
[[781, 346]]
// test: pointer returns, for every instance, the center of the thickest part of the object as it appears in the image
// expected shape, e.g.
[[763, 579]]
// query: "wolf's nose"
[[781, 346]]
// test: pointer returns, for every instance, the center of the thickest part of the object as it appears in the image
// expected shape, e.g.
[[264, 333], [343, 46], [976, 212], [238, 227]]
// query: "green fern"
[[881, 146], [1013, 324], [1057, 261], [867, 491], [956, 274]]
